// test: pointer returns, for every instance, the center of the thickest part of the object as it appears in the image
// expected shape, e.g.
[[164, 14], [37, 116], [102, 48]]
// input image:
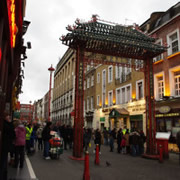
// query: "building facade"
[[114, 97], [166, 27], [63, 92]]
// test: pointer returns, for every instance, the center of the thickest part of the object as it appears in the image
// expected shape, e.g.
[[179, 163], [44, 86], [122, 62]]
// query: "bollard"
[[97, 155], [86, 175], [160, 153]]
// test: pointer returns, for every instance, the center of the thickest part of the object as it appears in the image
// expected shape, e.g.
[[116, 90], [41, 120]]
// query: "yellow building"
[[114, 97], [63, 91]]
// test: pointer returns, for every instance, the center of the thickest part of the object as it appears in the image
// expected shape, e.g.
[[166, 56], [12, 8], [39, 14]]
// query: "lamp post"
[[51, 69]]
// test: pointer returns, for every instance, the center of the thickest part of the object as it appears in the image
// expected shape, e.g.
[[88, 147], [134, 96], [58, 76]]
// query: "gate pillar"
[[79, 98]]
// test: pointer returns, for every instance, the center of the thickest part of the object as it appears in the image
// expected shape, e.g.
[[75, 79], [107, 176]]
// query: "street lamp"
[[51, 69]]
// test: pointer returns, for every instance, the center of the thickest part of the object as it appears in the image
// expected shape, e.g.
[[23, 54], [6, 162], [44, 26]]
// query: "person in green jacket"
[[29, 130]]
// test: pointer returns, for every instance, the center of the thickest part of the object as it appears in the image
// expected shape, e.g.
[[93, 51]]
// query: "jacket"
[[28, 132], [20, 135]]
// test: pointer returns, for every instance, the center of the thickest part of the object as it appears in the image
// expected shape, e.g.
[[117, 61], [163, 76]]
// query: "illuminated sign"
[[12, 24], [164, 109]]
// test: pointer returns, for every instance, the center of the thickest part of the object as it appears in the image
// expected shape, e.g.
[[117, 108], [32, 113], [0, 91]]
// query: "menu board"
[[163, 135]]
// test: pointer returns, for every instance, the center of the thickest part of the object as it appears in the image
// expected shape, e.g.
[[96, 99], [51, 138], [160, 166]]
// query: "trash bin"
[[162, 139]]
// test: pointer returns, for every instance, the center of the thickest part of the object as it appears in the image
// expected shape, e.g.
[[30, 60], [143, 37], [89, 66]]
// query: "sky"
[[49, 20]]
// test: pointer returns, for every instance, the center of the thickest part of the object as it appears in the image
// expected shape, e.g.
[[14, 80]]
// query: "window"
[[88, 81], [92, 103], [98, 77], [159, 42], [110, 74], [92, 80], [160, 87], [177, 83], [139, 89], [98, 100], [173, 42], [118, 97], [118, 72], [123, 95], [84, 85], [88, 67], [87, 104], [103, 99], [110, 98], [128, 93]]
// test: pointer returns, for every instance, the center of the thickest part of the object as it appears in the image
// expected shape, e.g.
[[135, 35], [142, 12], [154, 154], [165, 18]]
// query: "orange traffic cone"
[[97, 155], [86, 175]]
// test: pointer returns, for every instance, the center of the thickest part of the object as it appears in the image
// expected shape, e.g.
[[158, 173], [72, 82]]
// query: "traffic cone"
[[86, 175], [97, 155], [160, 153]]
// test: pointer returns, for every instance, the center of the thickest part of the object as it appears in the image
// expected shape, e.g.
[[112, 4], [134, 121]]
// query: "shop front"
[[136, 122], [89, 119], [168, 120], [118, 118]]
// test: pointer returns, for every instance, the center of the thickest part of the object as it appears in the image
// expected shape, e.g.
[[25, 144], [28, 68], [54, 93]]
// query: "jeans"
[[46, 148], [135, 150], [19, 156]]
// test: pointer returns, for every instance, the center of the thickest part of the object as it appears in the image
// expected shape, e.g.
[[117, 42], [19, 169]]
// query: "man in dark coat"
[[46, 137], [97, 139], [8, 135]]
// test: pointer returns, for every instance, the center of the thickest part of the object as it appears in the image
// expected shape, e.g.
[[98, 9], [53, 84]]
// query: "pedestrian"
[[178, 142], [86, 139], [19, 144], [105, 133], [134, 142], [39, 137], [127, 141], [29, 130], [111, 139], [8, 136], [119, 139], [97, 140], [142, 140], [46, 137], [123, 145]]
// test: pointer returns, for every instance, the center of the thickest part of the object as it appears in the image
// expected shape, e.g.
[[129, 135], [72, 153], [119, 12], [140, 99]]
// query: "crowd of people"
[[19, 138]]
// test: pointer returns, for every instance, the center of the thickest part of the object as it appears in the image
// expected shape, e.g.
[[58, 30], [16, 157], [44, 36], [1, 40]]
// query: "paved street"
[[122, 167]]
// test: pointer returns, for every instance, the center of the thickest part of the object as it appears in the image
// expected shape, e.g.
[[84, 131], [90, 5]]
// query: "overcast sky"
[[49, 20]]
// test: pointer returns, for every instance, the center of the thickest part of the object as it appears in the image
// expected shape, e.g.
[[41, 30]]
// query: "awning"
[[118, 112]]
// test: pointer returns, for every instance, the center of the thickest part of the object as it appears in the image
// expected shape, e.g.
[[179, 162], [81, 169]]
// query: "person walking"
[[8, 136], [29, 130], [127, 141], [111, 139], [46, 137], [119, 139], [97, 139], [39, 137], [19, 144]]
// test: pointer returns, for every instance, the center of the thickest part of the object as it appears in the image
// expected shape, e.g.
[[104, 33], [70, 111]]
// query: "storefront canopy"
[[118, 112]]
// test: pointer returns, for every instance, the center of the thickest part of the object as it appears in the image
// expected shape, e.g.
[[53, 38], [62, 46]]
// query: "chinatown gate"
[[107, 39]]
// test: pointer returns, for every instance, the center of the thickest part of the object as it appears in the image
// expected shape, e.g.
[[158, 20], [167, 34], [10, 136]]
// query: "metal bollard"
[[86, 175], [97, 155]]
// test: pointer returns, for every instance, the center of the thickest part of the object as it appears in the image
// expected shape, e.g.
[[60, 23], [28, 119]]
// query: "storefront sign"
[[164, 109], [102, 119], [137, 107], [12, 23]]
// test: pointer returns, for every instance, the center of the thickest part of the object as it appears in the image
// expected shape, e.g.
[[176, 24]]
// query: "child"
[[123, 145]]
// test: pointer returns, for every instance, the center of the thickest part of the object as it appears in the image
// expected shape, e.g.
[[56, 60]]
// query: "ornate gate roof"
[[116, 40]]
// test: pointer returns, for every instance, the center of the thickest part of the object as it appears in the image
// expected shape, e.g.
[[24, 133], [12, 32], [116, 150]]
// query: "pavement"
[[121, 166]]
